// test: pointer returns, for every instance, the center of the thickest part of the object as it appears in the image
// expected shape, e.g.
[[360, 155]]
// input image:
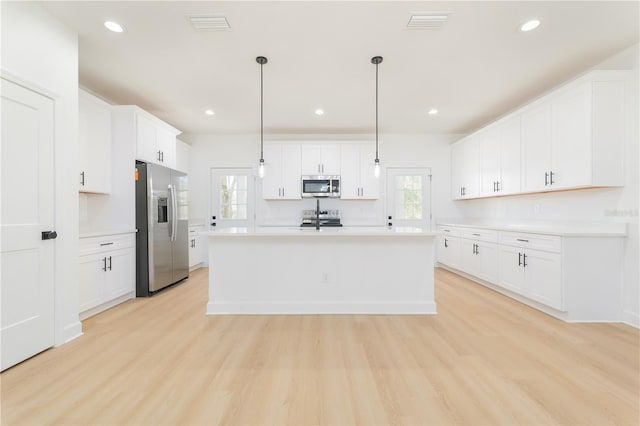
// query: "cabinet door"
[[456, 170], [509, 181], [487, 262], [536, 148], [94, 145], [369, 183], [195, 253], [571, 132], [470, 260], [120, 273], [350, 172], [449, 251], [146, 140], [543, 278], [291, 184], [311, 159], [272, 180], [92, 276], [490, 160], [511, 271], [166, 144], [330, 159]]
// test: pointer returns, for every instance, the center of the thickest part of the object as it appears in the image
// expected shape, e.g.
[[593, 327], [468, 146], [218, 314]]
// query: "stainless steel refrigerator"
[[162, 251]]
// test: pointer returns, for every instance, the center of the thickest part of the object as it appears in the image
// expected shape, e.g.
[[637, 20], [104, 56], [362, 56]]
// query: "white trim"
[[71, 331], [310, 307], [14, 78], [631, 318], [107, 305]]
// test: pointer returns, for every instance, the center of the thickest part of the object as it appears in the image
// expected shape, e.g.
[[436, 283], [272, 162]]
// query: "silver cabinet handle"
[[520, 239], [477, 235], [104, 263], [106, 244], [110, 263], [546, 178], [551, 182], [82, 180]]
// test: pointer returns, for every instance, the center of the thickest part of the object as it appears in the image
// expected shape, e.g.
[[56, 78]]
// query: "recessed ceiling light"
[[432, 111], [210, 112], [319, 111], [114, 26], [530, 25]]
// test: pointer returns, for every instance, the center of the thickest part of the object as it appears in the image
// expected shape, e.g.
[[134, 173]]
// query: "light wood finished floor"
[[483, 360]]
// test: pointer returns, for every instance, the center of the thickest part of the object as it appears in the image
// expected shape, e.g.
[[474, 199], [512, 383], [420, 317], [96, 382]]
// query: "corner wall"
[[42, 52]]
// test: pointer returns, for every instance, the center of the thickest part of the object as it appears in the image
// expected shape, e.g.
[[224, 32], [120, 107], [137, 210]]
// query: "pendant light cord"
[[261, 116], [377, 113]]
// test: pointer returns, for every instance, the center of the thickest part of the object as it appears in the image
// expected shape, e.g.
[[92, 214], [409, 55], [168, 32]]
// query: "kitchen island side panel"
[[316, 275]]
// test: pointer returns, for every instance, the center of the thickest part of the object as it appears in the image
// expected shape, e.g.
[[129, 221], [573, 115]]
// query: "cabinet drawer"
[[448, 230], [481, 235], [552, 243], [106, 243]]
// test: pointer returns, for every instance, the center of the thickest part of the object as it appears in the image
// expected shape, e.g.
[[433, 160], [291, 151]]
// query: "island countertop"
[[347, 231]]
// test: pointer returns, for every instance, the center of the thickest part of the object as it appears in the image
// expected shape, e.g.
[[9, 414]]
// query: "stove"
[[327, 218]]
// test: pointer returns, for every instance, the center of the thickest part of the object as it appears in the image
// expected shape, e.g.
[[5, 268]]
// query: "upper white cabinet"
[[357, 178], [320, 159], [571, 138], [154, 139], [281, 180], [465, 168], [499, 147], [94, 144]]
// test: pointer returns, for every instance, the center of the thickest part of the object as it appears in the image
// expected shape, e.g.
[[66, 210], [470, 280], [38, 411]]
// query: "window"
[[408, 197], [233, 197]]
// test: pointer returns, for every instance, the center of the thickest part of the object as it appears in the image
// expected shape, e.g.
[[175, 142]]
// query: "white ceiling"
[[474, 69]]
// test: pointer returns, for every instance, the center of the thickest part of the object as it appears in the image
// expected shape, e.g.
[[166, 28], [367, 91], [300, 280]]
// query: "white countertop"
[[347, 231], [559, 228], [106, 233]]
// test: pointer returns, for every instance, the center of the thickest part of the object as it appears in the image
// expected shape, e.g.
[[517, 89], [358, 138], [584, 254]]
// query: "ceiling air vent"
[[209, 22], [428, 20]]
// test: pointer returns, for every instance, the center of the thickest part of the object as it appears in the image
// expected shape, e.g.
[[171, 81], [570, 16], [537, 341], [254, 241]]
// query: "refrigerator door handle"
[[174, 219]]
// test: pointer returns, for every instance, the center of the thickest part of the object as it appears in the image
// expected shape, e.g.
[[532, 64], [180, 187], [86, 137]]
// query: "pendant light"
[[376, 60], [261, 60]]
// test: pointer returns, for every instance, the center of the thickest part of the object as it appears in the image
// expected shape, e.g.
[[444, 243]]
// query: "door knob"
[[49, 235]]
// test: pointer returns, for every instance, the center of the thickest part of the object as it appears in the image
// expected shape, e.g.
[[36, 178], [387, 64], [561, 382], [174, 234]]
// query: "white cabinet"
[[155, 140], [574, 138], [500, 158], [480, 258], [449, 250], [106, 272], [94, 144], [196, 244], [570, 138], [155, 143], [465, 168], [320, 159], [281, 180], [533, 273], [357, 177]]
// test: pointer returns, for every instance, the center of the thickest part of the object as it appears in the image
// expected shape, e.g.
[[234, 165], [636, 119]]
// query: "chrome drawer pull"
[[524, 241]]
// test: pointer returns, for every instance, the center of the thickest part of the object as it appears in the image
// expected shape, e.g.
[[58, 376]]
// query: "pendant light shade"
[[261, 60], [376, 60]]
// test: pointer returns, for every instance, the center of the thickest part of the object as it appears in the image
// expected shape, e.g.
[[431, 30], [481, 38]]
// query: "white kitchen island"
[[370, 270]]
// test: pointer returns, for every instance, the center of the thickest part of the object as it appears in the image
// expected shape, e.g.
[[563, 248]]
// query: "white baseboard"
[[72, 331], [631, 318], [103, 307], [313, 307]]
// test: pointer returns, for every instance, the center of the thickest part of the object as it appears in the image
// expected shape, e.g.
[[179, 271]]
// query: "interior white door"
[[232, 198], [409, 197], [27, 211]]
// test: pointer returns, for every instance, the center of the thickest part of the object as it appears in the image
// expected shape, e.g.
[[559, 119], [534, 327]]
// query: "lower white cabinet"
[[107, 272], [533, 273], [575, 278], [196, 245]]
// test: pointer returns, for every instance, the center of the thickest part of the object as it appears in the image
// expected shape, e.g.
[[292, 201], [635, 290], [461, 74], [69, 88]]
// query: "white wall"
[[41, 51], [397, 150], [606, 204]]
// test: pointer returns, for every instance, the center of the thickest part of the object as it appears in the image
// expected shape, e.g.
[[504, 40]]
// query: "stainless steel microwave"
[[320, 186]]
